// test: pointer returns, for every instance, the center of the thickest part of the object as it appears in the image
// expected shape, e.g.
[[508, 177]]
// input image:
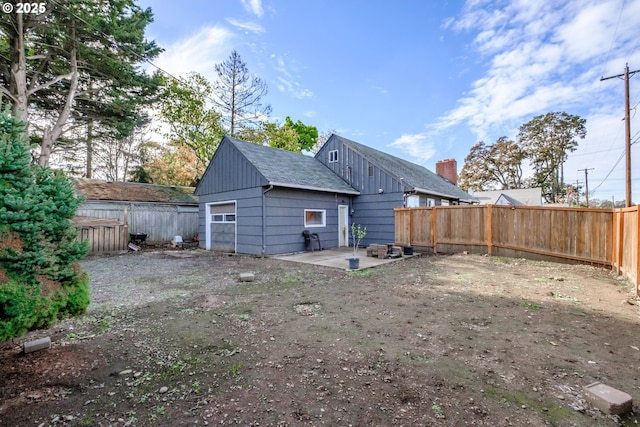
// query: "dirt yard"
[[433, 340]]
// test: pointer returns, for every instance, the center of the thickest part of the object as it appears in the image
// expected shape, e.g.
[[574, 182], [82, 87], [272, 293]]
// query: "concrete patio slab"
[[338, 258]]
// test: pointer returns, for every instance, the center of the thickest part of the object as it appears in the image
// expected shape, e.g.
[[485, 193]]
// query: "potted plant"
[[357, 234]]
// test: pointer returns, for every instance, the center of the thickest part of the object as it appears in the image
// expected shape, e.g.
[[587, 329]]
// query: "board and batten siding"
[[354, 169], [380, 192], [230, 171]]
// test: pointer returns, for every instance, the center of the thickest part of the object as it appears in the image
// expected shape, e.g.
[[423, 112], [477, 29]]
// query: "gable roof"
[[524, 196], [282, 168], [93, 189], [415, 176]]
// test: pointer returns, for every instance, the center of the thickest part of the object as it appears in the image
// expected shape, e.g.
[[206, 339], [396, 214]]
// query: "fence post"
[[489, 230], [433, 229], [637, 266]]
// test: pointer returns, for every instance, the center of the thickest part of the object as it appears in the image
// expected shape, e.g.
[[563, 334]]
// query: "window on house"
[[413, 201], [333, 156], [431, 202], [314, 217], [370, 170], [222, 217], [445, 202]]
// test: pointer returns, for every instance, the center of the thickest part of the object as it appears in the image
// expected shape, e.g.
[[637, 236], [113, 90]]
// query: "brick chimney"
[[448, 169]]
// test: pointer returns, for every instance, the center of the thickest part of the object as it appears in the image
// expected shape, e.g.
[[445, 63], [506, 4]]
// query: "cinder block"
[[608, 399], [382, 251], [247, 277], [40, 344]]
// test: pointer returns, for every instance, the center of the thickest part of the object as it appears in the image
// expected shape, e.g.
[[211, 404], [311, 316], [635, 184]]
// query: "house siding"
[[285, 218], [248, 218], [228, 171], [372, 208], [375, 211]]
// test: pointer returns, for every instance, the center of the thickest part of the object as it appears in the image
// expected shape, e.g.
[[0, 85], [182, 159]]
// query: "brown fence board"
[[587, 235]]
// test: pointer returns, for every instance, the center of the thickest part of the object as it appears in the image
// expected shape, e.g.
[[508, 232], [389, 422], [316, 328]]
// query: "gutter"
[[308, 187], [422, 190]]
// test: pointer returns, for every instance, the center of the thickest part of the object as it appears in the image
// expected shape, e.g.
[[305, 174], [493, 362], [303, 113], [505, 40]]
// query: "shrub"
[[40, 280]]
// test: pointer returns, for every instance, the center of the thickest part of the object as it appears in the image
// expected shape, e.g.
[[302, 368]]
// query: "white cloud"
[[254, 7], [416, 145], [539, 56], [200, 52], [247, 25], [293, 88], [288, 80]]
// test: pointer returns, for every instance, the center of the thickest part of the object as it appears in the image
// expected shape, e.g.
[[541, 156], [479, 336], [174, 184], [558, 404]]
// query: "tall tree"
[[290, 136], [547, 140], [238, 94], [73, 51], [192, 123], [496, 166]]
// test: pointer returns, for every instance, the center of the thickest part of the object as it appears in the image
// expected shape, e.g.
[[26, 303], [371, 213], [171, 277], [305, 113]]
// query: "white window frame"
[[431, 202], [333, 156], [323, 212], [413, 201]]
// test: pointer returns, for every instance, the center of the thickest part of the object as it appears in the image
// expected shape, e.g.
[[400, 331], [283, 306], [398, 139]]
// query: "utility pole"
[[577, 188], [627, 118], [586, 182]]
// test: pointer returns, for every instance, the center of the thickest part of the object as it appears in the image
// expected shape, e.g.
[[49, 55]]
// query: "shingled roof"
[[283, 168], [92, 189], [415, 176]]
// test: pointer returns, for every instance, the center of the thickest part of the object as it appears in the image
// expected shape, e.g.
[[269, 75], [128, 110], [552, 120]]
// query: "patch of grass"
[[293, 278], [234, 371], [555, 415], [437, 409], [529, 305], [362, 273]]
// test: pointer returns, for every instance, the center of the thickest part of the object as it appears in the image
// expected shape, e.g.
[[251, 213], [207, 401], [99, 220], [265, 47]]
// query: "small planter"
[[354, 263]]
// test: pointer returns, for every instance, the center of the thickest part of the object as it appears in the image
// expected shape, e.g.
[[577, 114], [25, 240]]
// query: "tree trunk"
[[89, 149], [51, 135], [18, 86]]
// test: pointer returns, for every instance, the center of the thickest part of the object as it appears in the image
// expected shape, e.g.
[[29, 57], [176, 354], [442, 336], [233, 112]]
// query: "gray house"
[[256, 199], [385, 182]]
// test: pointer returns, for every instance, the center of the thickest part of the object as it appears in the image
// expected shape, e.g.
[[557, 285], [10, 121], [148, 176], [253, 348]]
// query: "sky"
[[426, 80]]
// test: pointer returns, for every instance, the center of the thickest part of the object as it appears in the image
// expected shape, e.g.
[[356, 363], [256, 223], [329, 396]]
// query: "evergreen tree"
[[39, 277]]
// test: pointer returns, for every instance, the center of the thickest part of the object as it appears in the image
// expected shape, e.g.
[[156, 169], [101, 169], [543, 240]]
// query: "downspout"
[[264, 220]]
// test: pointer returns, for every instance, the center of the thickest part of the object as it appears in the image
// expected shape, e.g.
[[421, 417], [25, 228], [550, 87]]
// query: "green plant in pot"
[[357, 234]]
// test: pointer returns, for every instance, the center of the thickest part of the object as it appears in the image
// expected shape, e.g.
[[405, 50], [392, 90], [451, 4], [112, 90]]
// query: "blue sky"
[[426, 80]]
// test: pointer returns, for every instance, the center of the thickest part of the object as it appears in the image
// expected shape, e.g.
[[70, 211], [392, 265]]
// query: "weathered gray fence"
[[161, 222]]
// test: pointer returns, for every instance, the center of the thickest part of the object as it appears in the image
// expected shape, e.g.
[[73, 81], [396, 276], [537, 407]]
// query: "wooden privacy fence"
[[598, 236], [104, 235]]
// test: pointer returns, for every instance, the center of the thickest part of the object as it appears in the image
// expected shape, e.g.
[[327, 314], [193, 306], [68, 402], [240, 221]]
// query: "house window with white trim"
[[333, 156], [315, 218]]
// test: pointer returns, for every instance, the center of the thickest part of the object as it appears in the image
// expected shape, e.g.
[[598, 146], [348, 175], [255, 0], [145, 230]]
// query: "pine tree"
[[40, 280]]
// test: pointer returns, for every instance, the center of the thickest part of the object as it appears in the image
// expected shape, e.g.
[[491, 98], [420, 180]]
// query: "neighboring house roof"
[[523, 196], [416, 177], [92, 189], [283, 168], [504, 199]]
